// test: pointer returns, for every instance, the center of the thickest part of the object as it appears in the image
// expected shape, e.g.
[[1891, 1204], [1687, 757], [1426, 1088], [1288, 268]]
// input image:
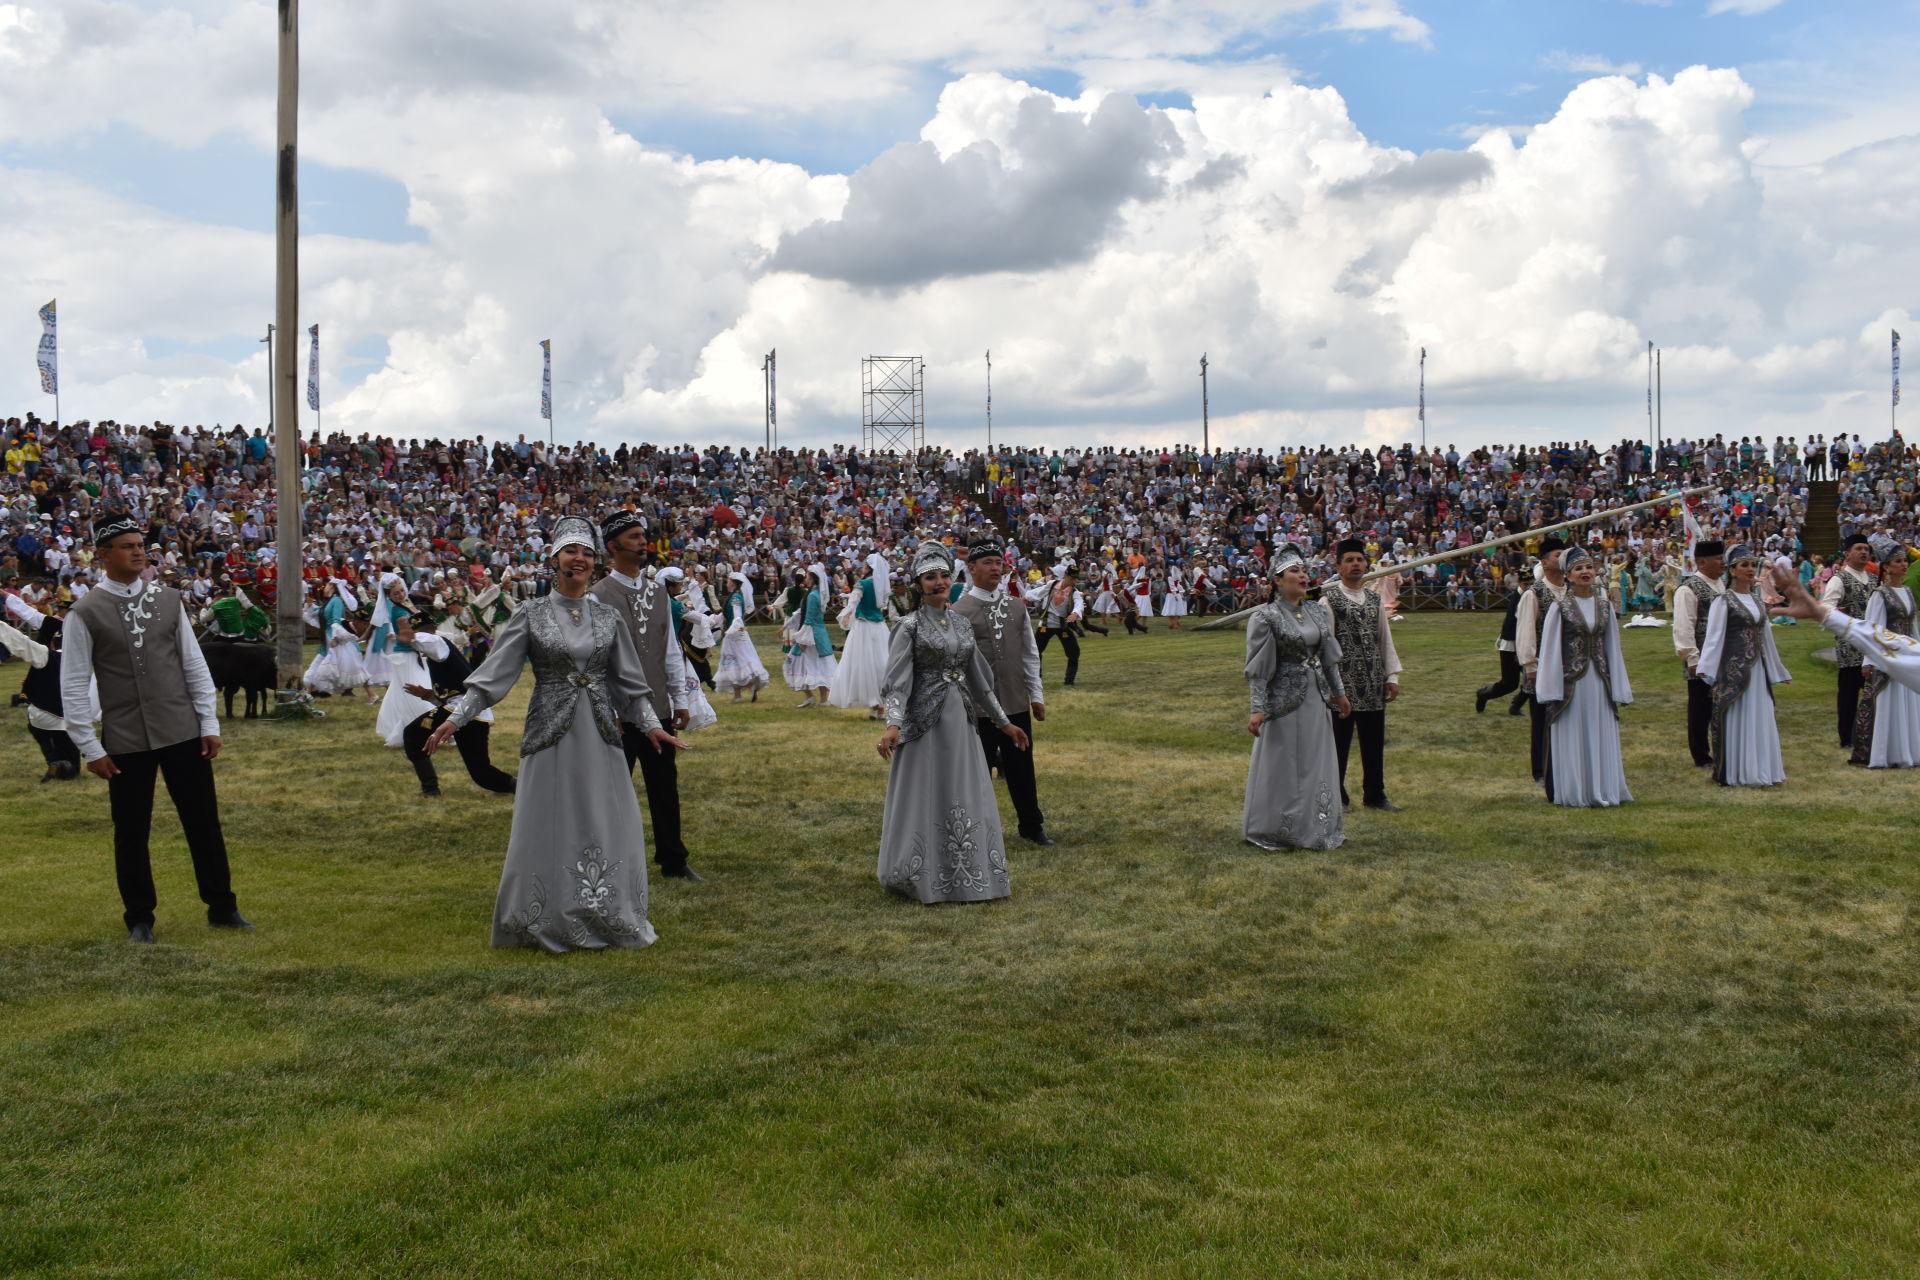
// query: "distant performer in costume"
[[940, 836], [1005, 639], [1529, 618], [1369, 670], [576, 867], [1582, 682], [1510, 673], [741, 670], [1848, 590], [1895, 656], [645, 608], [690, 619], [448, 669], [863, 661], [813, 660], [1293, 678], [1886, 732], [1739, 660], [157, 719], [1061, 606], [1692, 604], [37, 641]]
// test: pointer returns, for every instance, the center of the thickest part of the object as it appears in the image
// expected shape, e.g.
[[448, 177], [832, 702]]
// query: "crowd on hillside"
[[469, 515]]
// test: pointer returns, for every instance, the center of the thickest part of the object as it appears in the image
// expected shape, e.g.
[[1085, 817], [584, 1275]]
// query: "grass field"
[[1488, 1037]]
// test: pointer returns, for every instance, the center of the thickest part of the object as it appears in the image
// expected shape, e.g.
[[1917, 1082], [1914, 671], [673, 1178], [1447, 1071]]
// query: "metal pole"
[[1205, 442], [773, 395], [989, 401], [1659, 397], [1650, 430], [271, 424], [766, 403], [1423, 400], [292, 627]]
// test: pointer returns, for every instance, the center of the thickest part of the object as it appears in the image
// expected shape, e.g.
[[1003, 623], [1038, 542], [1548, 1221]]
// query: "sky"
[[1307, 192]]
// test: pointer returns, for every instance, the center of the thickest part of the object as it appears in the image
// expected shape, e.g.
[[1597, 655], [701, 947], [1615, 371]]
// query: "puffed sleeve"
[[1622, 692], [1261, 661], [498, 674], [1550, 681], [1715, 644], [627, 682], [897, 686], [1893, 655]]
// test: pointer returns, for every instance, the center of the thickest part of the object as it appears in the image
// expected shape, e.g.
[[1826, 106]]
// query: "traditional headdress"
[[672, 573], [881, 576], [1740, 553], [818, 572], [1885, 549], [984, 548], [618, 523], [1287, 557], [113, 527], [746, 588], [930, 556], [574, 531], [1708, 547], [1573, 557]]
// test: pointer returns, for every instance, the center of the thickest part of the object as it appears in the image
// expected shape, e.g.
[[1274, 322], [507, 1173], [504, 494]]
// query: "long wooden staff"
[[1390, 570]]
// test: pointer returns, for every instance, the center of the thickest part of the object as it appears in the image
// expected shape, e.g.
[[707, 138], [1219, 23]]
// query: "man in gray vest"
[[646, 608], [156, 718], [1691, 605], [1004, 634], [1848, 590], [1529, 619]]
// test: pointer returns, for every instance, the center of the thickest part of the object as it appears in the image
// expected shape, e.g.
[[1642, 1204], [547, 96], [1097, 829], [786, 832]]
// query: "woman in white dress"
[[740, 670], [1105, 602], [1174, 604], [1739, 660], [863, 659], [406, 666], [338, 668], [1582, 681], [576, 867], [812, 652], [1142, 592], [1886, 731], [700, 712]]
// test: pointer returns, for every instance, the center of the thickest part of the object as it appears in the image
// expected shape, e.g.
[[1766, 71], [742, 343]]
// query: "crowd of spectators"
[[476, 512]]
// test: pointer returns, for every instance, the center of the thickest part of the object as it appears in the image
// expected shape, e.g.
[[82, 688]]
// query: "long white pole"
[[292, 627]]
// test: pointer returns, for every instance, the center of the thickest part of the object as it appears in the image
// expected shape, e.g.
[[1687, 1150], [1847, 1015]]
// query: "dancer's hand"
[[421, 692], [889, 742], [681, 719], [1393, 691], [438, 738], [1018, 735], [661, 740], [104, 767], [210, 746], [1800, 602], [1344, 707], [1038, 710], [1254, 722]]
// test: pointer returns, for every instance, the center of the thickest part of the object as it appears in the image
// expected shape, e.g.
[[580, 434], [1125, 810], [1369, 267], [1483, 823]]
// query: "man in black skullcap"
[[1529, 619], [1848, 590], [1004, 634], [157, 720], [1691, 605]]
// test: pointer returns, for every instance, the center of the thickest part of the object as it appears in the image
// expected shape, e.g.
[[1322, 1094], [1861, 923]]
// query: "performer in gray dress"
[[1293, 677], [576, 870], [940, 836]]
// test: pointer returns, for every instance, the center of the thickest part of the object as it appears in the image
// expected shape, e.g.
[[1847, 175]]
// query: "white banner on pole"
[[546, 378], [49, 351], [313, 370]]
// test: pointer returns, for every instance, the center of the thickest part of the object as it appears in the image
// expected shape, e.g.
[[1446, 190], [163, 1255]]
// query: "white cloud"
[[1588, 64], [1095, 245], [1745, 8]]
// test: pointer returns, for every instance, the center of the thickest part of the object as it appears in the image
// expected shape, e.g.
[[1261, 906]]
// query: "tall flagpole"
[[1423, 400], [291, 625], [1893, 410], [1649, 388], [1659, 399], [1204, 441], [989, 400]]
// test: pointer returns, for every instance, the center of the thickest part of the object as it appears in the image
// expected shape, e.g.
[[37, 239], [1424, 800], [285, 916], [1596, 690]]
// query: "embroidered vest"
[[1297, 665], [1584, 649], [995, 632], [1744, 645], [144, 704], [648, 622], [1854, 595], [558, 681], [1363, 664], [941, 657], [1704, 595]]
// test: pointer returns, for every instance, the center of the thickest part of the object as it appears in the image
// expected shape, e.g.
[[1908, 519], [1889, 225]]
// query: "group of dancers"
[[960, 693]]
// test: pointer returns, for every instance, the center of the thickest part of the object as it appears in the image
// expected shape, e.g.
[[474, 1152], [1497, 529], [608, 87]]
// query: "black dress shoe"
[[683, 873], [229, 920], [1517, 709], [1384, 806], [140, 933], [1044, 840], [1479, 702]]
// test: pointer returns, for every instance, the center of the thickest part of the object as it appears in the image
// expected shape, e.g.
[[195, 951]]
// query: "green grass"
[[1488, 1037]]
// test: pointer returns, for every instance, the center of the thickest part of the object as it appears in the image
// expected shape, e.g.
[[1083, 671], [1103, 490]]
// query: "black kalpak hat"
[[1346, 545], [984, 548], [1548, 545], [1709, 547], [618, 523], [113, 527]]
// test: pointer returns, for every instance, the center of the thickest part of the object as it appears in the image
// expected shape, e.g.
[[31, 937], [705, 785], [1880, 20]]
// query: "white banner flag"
[[49, 352], [313, 370], [1896, 361], [546, 378]]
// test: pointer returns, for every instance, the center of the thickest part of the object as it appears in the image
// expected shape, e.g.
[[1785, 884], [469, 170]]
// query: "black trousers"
[[660, 770], [1509, 678], [1069, 644], [697, 659], [473, 744], [1372, 728], [1847, 702], [1133, 623], [1016, 766], [189, 778], [56, 746], [1700, 720]]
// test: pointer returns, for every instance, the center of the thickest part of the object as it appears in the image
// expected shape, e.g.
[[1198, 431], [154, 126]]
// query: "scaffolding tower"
[[893, 401]]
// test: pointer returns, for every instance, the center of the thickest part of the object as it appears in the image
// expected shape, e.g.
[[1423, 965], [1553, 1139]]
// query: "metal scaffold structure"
[[893, 399]]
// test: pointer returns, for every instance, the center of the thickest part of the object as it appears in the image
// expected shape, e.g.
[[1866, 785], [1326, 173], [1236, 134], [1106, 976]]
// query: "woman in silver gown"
[[940, 836], [1293, 677], [1582, 679], [576, 870], [1740, 661]]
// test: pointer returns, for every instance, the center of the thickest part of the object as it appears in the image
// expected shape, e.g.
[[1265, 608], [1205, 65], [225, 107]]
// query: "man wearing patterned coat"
[[1370, 669], [1691, 605], [1004, 636], [1848, 590]]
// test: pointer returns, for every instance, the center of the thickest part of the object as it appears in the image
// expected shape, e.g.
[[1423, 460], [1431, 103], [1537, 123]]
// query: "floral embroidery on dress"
[[525, 929], [962, 870], [1323, 808], [596, 900]]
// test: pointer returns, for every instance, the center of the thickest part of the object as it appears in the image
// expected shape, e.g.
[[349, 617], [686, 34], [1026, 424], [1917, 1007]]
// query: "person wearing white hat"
[[1739, 660], [813, 659], [863, 660], [1886, 732], [740, 670]]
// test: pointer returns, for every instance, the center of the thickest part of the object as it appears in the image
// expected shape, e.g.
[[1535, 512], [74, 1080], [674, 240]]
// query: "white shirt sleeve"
[[76, 678], [1686, 612], [1387, 651], [25, 612], [1895, 656], [1524, 641], [1030, 665], [432, 644], [1707, 666], [193, 664], [1835, 588], [677, 698], [1550, 680]]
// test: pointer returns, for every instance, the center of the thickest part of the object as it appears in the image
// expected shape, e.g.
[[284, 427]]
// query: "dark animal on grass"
[[236, 665]]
